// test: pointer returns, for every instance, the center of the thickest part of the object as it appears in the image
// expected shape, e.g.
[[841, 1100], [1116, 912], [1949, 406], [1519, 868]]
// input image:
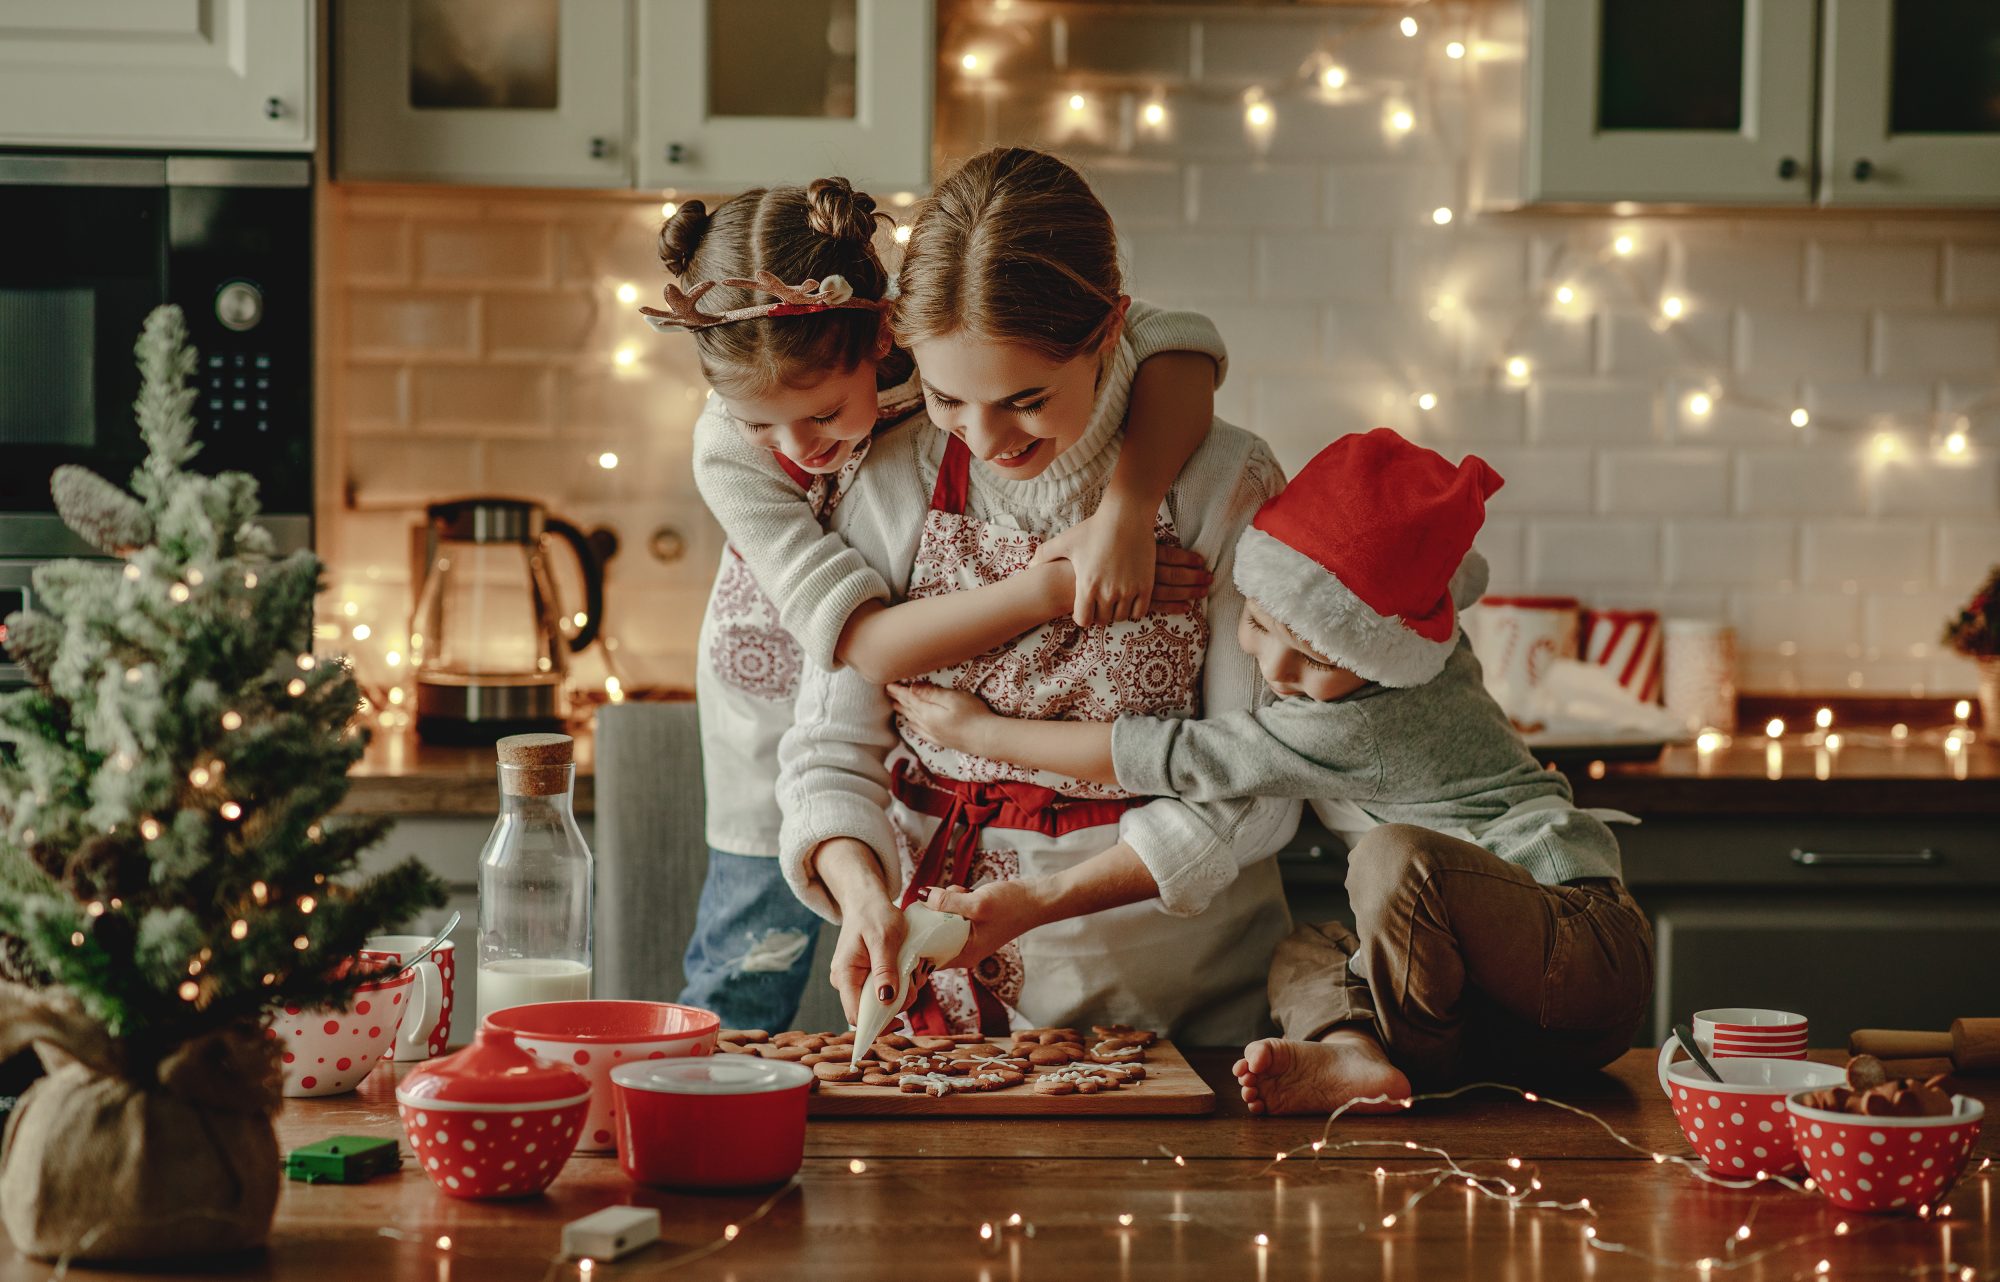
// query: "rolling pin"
[[1972, 1045]]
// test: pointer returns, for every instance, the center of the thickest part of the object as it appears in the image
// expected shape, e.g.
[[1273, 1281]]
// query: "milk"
[[519, 981]]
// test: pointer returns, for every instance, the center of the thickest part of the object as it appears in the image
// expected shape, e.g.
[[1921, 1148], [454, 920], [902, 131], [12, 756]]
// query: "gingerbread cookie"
[[832, 1072]]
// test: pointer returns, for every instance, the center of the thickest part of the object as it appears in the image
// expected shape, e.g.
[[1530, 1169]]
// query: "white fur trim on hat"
[[1324, 613]]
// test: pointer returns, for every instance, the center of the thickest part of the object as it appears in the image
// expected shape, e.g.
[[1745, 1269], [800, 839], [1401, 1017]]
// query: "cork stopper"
[[541, 764]]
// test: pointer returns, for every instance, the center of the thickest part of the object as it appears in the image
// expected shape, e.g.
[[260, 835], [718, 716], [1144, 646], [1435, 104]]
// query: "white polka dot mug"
[[1738, 1125]]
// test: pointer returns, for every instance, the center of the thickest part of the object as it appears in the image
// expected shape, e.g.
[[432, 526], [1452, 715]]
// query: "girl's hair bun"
[[680, 236], [835, 209]]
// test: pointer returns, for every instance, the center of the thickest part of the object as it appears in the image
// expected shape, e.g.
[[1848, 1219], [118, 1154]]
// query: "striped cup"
[[1741, 1032]]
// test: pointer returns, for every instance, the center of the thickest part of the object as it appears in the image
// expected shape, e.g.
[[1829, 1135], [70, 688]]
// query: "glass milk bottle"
[[534, 881]]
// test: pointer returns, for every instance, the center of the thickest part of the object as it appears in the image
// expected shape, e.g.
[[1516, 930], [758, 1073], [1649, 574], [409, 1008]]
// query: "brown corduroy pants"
[[1466, 967]]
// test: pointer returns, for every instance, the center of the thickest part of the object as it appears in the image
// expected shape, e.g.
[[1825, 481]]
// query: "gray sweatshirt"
[[1440, 755]]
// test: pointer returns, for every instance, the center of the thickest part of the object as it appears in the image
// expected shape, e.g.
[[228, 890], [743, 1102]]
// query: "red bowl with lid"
[[597, 1036], [716, 1123], [492, 1120]]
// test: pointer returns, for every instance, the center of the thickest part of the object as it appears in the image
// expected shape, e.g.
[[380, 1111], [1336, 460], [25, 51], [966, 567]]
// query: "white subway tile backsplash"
[[1255, 195], [1539, 481], [1268, 334], [1687, 482], [1135, 43], [481, 400], [1434, 263], [1189, 266], [1561, 411], [398, 324], [1321, 266], [1798, 622], [1254, 47], [375, 251], [1968, 551], [1640, 343], [1141, 196], [1799, 482], [1501, 542], [1570, 552], [1472, 412], [1747, 273], [1927, 487], [1972, 275], [485, 253], [1700, 551], [1387, 194], [1949, 344], [1871, 554], [1871, 273], [1552, 345], [1906, 625], [1796, 342], [1395, 339]]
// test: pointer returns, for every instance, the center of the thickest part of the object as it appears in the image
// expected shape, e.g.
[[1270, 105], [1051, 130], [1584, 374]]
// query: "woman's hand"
[[872, 928], [1121, 573], [951, 718], [999, 911]]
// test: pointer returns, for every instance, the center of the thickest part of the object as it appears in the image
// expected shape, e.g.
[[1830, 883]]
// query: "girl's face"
[[1014, 407], [814, 425], [1291, 667]]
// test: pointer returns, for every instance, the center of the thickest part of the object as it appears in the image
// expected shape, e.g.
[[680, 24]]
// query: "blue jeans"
[[753, 944]]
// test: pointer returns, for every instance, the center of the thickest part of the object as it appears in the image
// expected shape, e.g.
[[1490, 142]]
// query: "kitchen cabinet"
[[707, 95], [521, 94], [226, 75], [734, 93], [1747, 102]]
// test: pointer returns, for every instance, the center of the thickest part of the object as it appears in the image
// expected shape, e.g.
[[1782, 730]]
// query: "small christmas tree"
[[165, 855]]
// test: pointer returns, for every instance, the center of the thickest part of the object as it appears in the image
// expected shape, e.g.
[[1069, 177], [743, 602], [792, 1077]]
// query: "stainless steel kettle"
[[489, 640]]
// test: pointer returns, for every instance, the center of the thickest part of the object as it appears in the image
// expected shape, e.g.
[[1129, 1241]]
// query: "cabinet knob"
[[274, 108], [676, 153], [1864, 169], [600, 148], [1788, 168]]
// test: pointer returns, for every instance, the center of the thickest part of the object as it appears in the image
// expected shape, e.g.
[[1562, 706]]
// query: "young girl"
[[1009, 298], [1492, 932], [785, 296]]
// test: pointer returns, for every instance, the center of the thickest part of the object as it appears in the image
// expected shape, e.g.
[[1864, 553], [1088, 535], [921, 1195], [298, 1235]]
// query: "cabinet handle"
[[676, 153], [1925, 858], [1788, 168], [1864, 169], [599, 148], [274, 108]]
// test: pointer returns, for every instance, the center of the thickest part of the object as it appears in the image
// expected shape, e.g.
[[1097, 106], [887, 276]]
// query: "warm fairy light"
[[1258, 115], [1823, 718], [668, 208], [393, 658], [259, 891], [1380, 1173], [1899, 732], [179, 592], [1455, 50], [1441, 215], [1125, 1219], [1262, 1239], [1014, 1220], [729, 1232], [249, 580], [1565, 295], [1597, 769], [857, 1166], [307, 663], [395, 694], [1589, 1233], [969, 61], [194, 577], [628, 293], [132, 676], [1659, 1159], [302, 943], [198, 776], [1334, 77], [1800, 418], [1402, 120], [232, 720], [626, 356], [1317, 1145], [1707, 741], [1408, 26], [295, 687], [1699, 404], [444, 1244], [149, 828], [1279, 1158], [1962, 710], [1672, 306], [1388, 1221], [1623, 246], [131, 571], [1885, 444], [585, 1265], [1518, 368], [1427, 401], [1513, 1163], [1154, 113], [239, 929], [190, 990], [1955, 443], [1840, 1229], [76, 939], [1952, 743], [1775, 727], [1179, 1160], [1583, 1202], [607, 460], [231, 811], [1743, 1233], [306, 904], [986, 1232], [1823, 1267], [1833, 743], [902, 234], [362, 632], [1077, 102]]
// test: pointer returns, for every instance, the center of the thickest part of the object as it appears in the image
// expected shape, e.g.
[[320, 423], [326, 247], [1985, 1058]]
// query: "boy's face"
[[1291, 667], [814, 425]]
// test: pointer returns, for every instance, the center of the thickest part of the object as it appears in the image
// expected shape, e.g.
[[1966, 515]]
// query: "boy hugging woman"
[[1010, 624]]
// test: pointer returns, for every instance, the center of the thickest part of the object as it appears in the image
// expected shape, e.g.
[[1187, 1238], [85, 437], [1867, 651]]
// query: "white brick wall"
[[479, 332]]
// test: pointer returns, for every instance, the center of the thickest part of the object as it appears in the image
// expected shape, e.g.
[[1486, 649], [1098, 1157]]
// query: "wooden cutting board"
[[1171, 1088]]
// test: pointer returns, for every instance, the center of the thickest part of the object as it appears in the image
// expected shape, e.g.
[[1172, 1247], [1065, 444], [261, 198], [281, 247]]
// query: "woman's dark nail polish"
[[884, 993]]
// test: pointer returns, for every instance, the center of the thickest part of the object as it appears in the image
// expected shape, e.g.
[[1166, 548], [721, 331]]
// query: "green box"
[[343, 1159]]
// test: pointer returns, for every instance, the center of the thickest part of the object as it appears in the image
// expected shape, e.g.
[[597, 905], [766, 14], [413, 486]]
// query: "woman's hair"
[[1013, 247], [795, 233]]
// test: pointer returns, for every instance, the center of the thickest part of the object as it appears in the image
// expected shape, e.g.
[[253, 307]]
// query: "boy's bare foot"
[[1279, 1077]]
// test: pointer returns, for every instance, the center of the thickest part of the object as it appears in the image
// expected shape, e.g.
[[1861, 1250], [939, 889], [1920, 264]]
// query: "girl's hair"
[[795, 233], [1013, 247]]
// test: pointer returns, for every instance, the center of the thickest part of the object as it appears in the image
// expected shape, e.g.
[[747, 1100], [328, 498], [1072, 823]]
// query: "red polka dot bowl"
[[595, 1037], [715, 1123], [329, 1052], [1885, 1165], [493, 1121], [1738, 1125]]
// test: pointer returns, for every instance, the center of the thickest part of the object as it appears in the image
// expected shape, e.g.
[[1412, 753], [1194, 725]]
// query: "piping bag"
[[933, 937]]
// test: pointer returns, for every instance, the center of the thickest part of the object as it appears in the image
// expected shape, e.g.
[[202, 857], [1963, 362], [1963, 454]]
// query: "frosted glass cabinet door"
[[738, 93], [509, 92], [1698, 100], [1911, 114], [210, 74]]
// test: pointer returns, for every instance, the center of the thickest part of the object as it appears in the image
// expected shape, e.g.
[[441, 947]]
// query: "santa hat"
[[1356, 555]]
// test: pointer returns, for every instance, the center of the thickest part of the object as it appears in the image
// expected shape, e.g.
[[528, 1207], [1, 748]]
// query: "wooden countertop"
[[916, 1204], [1871, 774]]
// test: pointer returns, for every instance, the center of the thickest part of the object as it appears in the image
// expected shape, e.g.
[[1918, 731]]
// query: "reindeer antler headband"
[[802, 299]]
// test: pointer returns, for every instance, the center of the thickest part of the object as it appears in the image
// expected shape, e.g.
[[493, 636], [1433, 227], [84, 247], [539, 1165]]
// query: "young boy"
[[1492, 935]]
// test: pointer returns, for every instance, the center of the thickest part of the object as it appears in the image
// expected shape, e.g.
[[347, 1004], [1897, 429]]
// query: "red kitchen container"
[[718, 1122], [492, 1120]]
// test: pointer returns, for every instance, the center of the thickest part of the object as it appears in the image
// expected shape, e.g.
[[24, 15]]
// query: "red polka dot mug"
[[419, 1038], [1738, 1125]]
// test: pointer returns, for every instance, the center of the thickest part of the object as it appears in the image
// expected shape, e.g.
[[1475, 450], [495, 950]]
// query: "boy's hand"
[[999, 911], [1121, 573], [952, 718]]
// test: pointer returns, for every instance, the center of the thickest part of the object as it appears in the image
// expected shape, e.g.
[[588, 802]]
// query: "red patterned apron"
[[968, 820]]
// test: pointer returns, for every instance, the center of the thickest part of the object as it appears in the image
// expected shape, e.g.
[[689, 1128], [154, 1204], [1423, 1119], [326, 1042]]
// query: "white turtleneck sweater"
[[833, 779]]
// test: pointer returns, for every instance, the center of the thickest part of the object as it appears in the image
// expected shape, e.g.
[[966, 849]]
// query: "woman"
[[1010, 302]]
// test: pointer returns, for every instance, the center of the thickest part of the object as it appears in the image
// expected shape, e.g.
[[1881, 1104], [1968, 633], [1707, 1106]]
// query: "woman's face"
[[1013, 406]]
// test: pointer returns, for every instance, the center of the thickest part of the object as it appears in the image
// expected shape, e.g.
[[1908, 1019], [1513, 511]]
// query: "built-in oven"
[[98, 241]]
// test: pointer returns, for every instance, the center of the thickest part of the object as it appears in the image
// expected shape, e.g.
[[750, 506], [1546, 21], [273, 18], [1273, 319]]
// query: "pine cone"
[[17, 967], [33, 640], [107, 518], [107, 867]]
